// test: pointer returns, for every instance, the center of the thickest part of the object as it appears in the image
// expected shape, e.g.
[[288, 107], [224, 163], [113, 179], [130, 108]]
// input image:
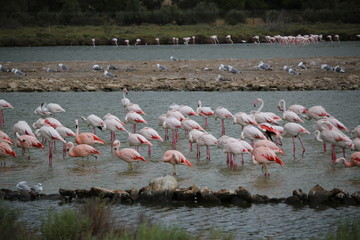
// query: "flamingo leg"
[[235, 161], [206, 122], [198, 151], [207, 153], [294, 148], [302, 145], [191, 146], [324, 146], [134, 127], [173, 139], [50, 153], [166, 134], [130, 167], [149, 150], [242, 159], [94, 130], [64, 150], [174, 170], [333, 153], [222, 126]]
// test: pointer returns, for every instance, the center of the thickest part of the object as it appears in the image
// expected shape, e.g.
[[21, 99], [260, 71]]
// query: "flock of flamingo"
[[299, 39], [261, 137]]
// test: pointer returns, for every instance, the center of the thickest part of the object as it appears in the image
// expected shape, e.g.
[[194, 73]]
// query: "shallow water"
[[163, 52], [259, 221]]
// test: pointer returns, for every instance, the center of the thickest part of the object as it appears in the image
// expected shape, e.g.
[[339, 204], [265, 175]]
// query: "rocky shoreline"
[[165, 190], [183, 75]]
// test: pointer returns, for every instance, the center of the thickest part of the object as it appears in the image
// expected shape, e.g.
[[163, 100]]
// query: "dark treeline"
[[21, 13]]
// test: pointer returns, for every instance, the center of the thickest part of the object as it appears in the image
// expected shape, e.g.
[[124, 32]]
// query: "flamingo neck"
[[283, 105], [317, 136], [261, 106]]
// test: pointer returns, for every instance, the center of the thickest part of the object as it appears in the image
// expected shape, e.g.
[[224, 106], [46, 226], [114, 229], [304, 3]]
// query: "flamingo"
[[53, 108], [128, 155], [132, 107], [175, 157], [354, 160], [337, 123], [262, 117], [356, 143], [187, 110], [244, 119], [93, 42], [95, 122], [49, 133], [3, 105], [150, 134], [113, 124], [174, 124], [176, 114], [356, 132], [6, 150], [5, 137], [23, 128], [81, 150], [317, 112], [268, 144], [42, 111], [52, 122], [26, 142], [65, 133], [207, 140], [134, 118], [125, 101], [193, 137], [250, 132], [135, 139], [188, 124], [214, 39], [86, 137], [235, 148], [228, 38], [288, 115], [294, 130], [265, 156], [161, 120], [222, 113], [205, 112]]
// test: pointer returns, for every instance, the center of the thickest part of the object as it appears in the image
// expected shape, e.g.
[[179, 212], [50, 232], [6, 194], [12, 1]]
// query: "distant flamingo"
[[205, 112], [51, 135], [95, 122], [265, 156], [53, 108], [317, 112], [113, 124], [128, 155], [23, 128], [134, 118], [65, 133], [150, 134], [157, 40], [206, 140], [354, 160], [214, 39], [175, 157], [288, 115], [228, 38], [222, 113], [252, 133], [3, 105], [136, 140], [294, 130], [86, 137], [5, 150], [81, 150], [26, 142], [93, 42], [174, 124], [244, 119], [125, 101]]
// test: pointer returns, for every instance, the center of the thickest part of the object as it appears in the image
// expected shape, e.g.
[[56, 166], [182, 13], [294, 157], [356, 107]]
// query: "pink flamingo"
[[193, 137], [81, 150], [234, 148], [23, 128], [26, 142], [95, 122], [4, 136], [150, 134], [52, 108], [354, 160], [252, 133], [294, 130], [188, 124], [214, 39], [174, 124], [222, 113], [175, 157], [298, 109], [136, 140], [132, 107], [205, 112], [3, 105], [317, 112], [356, 132], [49, 133], [128, 155], [52, 122], [268, 144], [288, 115], [86, 137], [356, 143], [176, 114], [187, 110], [207, 140], [6, 150], [134, 118], [161, 120], [265, 156], [125, 101], [113, 124], [337, 123], [65, 133], [244, 119], [262, 117]]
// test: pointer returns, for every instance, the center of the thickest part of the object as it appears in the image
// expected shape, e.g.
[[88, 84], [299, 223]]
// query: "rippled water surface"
[[259, 221], [163, 52]]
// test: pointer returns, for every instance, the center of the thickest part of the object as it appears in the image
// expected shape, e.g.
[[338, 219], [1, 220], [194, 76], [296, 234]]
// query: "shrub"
[[235, 17]]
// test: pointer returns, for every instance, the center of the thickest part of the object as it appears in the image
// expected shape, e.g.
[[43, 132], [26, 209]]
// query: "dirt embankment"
[[183, 75]]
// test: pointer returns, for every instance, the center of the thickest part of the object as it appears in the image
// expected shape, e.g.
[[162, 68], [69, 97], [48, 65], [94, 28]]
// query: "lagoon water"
[[269, 221]]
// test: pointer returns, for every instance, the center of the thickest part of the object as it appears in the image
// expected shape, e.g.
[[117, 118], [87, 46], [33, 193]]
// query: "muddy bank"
[[183, 75]]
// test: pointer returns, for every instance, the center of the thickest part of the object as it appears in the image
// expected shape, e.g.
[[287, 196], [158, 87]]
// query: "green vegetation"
[[82, 35], [348, 230]]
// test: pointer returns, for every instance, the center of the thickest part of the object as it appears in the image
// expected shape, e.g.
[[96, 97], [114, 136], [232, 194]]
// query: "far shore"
[[183, 75]]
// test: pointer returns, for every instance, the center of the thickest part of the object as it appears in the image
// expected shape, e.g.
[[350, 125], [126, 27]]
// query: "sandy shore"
[[183, 75]]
